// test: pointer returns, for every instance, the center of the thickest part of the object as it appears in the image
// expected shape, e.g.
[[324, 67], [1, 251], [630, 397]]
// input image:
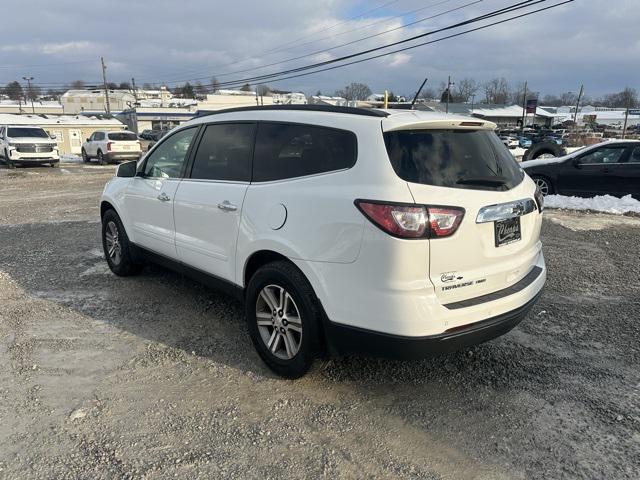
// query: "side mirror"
[[52, 137], [127, 170], [87, 140], [577, 162]]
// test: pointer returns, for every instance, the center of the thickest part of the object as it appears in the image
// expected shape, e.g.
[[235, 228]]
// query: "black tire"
[[545, 148], [544, 184], [126, 264], [101, 159], [85, 157], [285, 275]]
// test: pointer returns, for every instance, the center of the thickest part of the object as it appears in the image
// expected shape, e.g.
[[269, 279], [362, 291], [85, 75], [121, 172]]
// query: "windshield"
[[123, 136], [17, 132], [472, 159]]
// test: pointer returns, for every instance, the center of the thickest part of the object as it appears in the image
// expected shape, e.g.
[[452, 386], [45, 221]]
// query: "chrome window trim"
[[504, 211]]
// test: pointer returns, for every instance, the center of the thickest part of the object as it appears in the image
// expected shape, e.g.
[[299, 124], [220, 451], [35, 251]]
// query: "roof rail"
[[306, 108]]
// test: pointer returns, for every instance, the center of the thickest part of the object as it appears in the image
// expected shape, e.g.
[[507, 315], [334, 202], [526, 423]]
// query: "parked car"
[[111, 147], [524, 142], [510, 141], [401, 233], [27, 145], [611, 168]]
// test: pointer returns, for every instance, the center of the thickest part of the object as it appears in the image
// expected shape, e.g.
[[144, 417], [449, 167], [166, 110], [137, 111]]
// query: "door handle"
[[227, 206], [163, 197]]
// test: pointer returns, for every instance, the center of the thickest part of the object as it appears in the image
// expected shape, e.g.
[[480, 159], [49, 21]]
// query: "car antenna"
[[418, 93]]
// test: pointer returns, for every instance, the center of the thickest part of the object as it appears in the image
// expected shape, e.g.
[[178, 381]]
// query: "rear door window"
[[604, 155], [225, 152], [123, 136], [292, 150], [471, 159]]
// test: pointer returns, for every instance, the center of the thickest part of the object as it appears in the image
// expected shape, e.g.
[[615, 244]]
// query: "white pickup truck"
[[23, 144]]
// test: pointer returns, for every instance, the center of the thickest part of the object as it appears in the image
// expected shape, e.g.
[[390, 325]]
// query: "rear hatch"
[[465, 165], [123, 142]]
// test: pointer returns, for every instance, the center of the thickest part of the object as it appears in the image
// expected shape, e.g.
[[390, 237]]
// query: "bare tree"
[[496, 91], [199, 89], [354, 91], [215, 84], [33, 92], [13, 90], [465, 89], [263, 89], [245, 88], [77, 84]]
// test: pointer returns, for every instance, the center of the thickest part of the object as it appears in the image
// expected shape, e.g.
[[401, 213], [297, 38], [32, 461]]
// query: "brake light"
[[411, 221], [109, 146]]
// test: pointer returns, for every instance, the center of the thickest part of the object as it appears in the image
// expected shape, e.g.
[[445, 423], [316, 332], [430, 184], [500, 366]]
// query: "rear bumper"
[[345, 339], [117, 156]]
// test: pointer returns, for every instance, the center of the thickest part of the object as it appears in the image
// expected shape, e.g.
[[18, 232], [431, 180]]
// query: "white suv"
[[396, 233], [25, 144], [111, 147]]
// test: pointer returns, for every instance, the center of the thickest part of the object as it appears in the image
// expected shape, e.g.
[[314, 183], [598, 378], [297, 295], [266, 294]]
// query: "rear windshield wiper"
[[496, 181]]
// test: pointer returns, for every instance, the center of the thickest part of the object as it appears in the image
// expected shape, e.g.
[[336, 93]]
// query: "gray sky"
[[590, 41]]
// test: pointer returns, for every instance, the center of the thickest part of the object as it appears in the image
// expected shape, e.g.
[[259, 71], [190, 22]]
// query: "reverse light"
[[444, 221], [411, 221]]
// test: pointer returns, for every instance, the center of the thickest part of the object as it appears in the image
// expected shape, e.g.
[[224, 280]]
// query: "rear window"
[[18, 132], [472, 159], [290, 150], [123, 136]]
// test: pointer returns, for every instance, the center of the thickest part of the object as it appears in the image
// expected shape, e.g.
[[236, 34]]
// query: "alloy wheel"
[[112, 238], [543, 186], [279, 322]]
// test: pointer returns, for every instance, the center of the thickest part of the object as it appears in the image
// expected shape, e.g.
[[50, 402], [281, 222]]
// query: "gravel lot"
[[154, 376]]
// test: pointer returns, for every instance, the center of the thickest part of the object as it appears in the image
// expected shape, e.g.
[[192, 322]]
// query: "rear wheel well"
[[257, 260]]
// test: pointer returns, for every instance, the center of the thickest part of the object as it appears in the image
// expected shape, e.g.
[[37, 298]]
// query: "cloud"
[[582, 42]]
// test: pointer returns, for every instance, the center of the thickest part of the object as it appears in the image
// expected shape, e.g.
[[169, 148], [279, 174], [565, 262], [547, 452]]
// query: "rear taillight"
[[412, 221], [109, 146]]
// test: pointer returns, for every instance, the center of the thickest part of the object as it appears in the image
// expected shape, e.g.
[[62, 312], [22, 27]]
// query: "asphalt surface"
[[154, 376]]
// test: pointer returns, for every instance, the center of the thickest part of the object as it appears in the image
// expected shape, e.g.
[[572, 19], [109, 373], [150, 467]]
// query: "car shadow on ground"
[[168, 308]]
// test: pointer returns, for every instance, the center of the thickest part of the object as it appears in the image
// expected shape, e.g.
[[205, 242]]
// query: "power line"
[[278, 48], [421, 44], [311, 54], [495, 13]]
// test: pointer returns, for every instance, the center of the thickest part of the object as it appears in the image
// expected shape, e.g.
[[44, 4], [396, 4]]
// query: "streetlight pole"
[[449, 83], [29, 92]]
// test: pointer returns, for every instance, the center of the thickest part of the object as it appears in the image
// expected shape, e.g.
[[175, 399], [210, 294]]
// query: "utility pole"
[[626, 120], [449, 83], [106, 90], [524, 107], [30, 93], [473, 101], [133, 87], [575, 114]]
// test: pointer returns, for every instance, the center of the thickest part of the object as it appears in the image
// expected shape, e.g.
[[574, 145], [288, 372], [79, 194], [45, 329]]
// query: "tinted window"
[[98, 136], [123, 136], [473, 159], [635, 155], [26, 132], [604, 155], [167, 159], [225, 152], [287, 151]]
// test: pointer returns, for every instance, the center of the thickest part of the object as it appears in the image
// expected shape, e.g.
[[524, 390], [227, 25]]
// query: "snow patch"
[[600, 203], [70, 158]]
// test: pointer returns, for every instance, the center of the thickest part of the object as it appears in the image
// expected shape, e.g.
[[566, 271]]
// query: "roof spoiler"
[[392, 124]]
